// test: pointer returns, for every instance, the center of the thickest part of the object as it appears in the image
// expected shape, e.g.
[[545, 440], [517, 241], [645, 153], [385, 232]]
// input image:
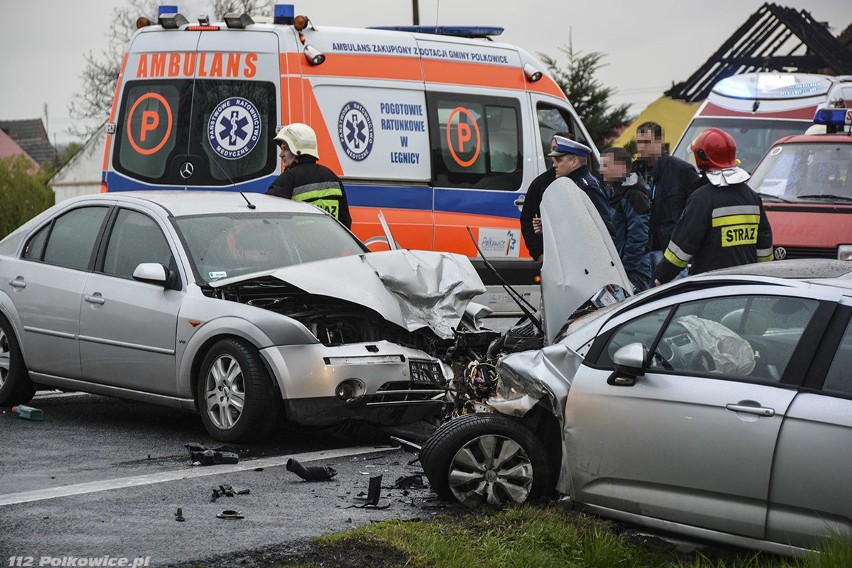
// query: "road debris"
[[311, 473], [230, 514], [28, 412], [202, 455], [374, 492], [227, 491], [179, 515]]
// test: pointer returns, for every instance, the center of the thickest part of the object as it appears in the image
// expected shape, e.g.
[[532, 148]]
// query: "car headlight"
[[844, 252]]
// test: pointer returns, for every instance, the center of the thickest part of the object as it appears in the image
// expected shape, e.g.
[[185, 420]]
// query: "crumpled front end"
[[379, 382], [541, 377], [383, 322]]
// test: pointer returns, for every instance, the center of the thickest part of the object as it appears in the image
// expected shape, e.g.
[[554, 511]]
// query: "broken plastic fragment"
[[311, 473]]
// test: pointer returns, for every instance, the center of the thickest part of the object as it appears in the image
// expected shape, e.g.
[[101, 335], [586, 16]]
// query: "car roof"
[[815, 139], [194, 202], [799, 268]]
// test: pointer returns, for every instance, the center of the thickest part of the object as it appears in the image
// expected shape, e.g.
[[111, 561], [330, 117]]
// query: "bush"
[[24, 193]]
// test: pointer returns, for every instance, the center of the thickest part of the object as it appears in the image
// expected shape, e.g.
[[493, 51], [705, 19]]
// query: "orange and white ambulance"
[[759, 108], [440, 129]]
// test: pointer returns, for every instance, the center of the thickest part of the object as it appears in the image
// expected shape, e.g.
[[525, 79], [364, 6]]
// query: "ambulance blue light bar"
[[284, 14], [833, 116], [166, 9], [458, 31]]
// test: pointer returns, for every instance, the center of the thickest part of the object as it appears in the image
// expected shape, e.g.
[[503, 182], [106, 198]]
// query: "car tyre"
[[15, 384], [486, 458], [236, 396]]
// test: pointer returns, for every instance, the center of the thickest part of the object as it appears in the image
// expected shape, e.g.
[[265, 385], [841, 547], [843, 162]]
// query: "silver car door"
[[692, 441], [46, 284], [127, 328], [810, 492]]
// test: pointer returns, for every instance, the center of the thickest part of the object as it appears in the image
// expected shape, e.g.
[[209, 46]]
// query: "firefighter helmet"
[[714, 149], [300, 138]]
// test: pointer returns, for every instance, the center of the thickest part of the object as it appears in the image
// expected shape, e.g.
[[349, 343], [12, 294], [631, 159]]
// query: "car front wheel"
[[15, 384], [236, 397], [486, 458]]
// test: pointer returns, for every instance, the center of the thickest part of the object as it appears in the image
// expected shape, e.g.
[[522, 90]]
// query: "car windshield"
[[806, 172], [753, 137], [225, 245]]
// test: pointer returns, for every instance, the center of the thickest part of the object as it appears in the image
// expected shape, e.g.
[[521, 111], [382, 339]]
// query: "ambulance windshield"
[[222, 129], [753, 136]]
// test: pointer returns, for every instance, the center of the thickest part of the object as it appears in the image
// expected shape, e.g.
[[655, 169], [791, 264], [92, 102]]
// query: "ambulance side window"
[[551, 120], [476, 141]]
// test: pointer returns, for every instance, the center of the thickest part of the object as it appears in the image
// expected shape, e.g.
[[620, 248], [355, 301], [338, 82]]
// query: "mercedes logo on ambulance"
[[234, 128], [186, 170]]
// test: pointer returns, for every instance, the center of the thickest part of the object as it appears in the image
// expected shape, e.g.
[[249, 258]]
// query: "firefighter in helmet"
[[303, 179], [724, 223]]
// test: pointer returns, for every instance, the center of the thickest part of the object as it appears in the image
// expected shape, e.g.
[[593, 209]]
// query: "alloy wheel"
[[224, 392], [491, 469]]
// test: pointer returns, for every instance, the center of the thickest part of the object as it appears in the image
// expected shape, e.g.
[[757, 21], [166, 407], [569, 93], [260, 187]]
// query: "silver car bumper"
[[378, 382]]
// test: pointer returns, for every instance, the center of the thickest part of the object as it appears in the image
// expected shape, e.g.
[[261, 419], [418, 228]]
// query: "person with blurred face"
[[630, 202], [671, 181]]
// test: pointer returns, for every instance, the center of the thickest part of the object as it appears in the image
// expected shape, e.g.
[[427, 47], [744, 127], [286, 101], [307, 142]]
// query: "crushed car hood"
[[579, 255], [413, 289]]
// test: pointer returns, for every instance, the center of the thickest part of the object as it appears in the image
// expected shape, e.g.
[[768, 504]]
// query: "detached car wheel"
[[15, 384], [485, 458], [235, 393]]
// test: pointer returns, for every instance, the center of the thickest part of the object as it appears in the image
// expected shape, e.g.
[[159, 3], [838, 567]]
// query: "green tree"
[[24, 193], [589, 97]]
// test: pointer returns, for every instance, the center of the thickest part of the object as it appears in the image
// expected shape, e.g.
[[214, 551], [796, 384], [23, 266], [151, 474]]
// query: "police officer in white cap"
[[570, 159]]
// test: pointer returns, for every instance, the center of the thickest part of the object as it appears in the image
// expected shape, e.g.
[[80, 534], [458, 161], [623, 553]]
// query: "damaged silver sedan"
[[718, 407], [244, 309]]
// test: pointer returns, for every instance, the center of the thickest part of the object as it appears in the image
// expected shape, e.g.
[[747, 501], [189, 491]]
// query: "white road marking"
[[166, 476]]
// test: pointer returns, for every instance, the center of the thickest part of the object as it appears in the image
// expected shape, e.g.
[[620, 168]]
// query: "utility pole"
[[415, 9]]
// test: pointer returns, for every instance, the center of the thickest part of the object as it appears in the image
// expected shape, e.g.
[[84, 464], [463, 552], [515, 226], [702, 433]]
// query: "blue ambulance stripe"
[[414, 197]]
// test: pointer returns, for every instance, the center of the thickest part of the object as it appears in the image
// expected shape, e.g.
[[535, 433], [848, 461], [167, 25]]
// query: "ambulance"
[[439, 129], [759, 108]]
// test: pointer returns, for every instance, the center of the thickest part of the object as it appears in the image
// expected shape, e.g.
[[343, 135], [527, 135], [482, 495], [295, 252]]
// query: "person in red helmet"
[[724, 223]]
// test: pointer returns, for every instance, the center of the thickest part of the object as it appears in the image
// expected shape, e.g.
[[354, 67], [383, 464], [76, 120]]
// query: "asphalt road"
[[103, 478]]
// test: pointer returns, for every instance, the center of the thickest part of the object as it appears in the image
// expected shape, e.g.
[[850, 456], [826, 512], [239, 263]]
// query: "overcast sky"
[[649, 45]]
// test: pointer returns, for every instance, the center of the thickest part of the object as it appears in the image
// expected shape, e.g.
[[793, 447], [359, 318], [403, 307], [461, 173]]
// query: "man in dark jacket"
[[531, 211], [630, 202], [724, 223], [671, 181], [303, 179]]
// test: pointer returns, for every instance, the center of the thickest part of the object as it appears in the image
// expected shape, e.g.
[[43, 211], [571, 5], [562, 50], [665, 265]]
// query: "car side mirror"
[[152, 273], [630, 362]]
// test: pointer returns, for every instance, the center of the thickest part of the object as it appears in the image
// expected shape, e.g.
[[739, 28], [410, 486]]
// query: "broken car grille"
[[427, 385]]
